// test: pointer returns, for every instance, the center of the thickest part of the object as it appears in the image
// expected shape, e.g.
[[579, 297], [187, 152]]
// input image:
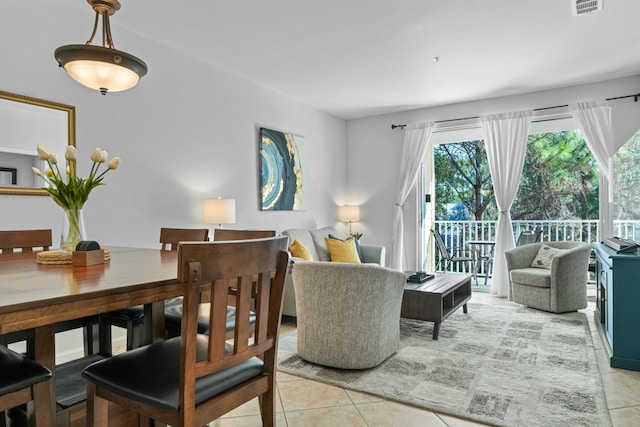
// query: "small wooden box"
[[87, 258]]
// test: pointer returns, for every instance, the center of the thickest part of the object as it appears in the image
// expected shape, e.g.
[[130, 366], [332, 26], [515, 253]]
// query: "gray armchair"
[[348, 314], [560, 289]]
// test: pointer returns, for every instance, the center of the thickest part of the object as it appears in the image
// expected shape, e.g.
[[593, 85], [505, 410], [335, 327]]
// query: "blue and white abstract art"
[[282, 166]]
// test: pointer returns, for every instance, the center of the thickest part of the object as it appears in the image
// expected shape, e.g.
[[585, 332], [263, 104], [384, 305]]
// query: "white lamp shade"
[[220, 211], [349, 213]]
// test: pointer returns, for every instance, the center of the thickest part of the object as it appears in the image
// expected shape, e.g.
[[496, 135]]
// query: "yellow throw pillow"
[[343, 250], [299, 250]]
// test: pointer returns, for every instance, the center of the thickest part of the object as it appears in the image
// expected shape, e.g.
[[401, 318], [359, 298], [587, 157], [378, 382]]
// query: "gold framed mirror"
[[26, 122]]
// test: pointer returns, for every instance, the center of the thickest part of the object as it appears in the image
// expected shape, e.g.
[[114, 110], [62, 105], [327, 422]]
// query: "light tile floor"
[[305, 403]]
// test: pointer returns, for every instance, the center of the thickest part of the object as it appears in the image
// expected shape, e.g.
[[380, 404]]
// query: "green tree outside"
[[559, 179], [627, 180]]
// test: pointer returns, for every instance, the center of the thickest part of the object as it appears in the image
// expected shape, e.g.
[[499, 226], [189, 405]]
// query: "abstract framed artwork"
[[282, 170]]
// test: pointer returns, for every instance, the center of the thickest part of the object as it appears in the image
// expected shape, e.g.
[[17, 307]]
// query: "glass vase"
[[73, 230]]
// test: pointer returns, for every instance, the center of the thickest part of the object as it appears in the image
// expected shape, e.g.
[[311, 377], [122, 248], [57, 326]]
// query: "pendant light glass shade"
[[100, 67], [103, 67]]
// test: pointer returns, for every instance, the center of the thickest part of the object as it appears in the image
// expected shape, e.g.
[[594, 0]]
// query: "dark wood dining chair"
[[27, 241], [24, 240], [221, 234], [173, 311], [193, 379], [132, 318], [23, 380], [170, 237]]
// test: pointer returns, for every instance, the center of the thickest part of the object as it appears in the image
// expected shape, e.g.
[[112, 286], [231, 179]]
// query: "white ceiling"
[[355, 58]]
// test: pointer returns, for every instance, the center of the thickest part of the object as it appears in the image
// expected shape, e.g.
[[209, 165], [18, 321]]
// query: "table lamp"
[[220, 211], [349, 213]]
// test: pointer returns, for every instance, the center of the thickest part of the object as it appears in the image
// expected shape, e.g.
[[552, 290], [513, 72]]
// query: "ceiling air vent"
[[581, 7]]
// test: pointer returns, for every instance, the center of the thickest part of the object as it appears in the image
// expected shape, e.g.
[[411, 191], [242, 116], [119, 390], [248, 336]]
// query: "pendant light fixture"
[[103, 67]]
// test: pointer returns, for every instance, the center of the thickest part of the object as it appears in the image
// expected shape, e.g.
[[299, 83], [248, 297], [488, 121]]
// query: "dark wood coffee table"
[[435, 299]]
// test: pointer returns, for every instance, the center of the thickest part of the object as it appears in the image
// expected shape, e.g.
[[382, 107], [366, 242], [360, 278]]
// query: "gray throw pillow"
[[545, 256]]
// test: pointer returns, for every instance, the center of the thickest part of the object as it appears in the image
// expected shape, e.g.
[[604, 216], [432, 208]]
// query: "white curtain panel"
[[416, 143], [505, 137], [594, 122]]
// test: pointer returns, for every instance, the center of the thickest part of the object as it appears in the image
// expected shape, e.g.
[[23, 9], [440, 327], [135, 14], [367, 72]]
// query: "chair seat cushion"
[[531, 276], [135, 313], [173, 318], [19, 372], [151, 374], [127, 314]]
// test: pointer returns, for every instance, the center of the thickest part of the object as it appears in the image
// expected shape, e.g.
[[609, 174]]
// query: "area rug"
[[499, 365]]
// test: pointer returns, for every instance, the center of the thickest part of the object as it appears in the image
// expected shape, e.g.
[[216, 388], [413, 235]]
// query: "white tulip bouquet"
[[72, 194]]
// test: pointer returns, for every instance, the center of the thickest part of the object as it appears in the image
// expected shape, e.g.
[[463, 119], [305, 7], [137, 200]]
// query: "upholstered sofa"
[[559, 282], [314, 241], [348, 314]]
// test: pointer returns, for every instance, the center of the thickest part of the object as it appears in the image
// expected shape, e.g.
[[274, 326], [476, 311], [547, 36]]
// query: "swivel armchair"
[[560, 288], [348, 314]]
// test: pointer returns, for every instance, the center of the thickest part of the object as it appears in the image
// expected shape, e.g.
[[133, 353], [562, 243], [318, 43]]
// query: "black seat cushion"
[[135, 313], [18, 372], [128, 314], [173, 318], [151, 375]]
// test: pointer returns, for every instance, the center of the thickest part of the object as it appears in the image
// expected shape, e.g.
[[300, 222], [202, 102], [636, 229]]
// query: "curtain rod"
[[635, 99]]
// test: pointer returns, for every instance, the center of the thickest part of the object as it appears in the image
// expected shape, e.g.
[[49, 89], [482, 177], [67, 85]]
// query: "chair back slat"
[[529, 236], [222, 234], [249, 268], [170, 237], [25, 240], [244, 301], [218, 316], [442, 247], [262, 298]]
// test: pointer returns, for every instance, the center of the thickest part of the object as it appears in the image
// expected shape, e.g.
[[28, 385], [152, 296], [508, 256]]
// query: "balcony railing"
[[456, 234]]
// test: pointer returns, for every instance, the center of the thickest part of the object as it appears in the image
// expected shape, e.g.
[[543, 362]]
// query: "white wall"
[[374, 149], [189, 131]]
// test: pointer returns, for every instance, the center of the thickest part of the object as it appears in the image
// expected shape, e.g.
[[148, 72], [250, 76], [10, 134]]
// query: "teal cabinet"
[[617, 312]]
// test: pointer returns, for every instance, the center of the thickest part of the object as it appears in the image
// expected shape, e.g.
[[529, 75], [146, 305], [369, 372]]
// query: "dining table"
[[36, 296]]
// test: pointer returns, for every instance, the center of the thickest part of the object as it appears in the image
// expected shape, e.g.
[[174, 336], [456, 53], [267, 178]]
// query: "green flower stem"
[[74, 233]]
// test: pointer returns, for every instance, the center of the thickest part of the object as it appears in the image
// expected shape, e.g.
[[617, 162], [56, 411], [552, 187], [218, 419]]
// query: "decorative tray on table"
[[419, 277], [63, 257]]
